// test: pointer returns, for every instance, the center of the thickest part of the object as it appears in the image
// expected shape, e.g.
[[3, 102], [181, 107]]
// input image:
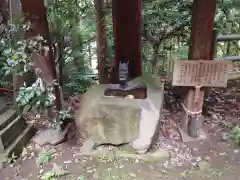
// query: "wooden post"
[[127, 35], [35, 11], [203, 13]]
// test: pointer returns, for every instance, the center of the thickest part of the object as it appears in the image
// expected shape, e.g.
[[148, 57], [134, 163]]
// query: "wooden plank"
[[201, 73]]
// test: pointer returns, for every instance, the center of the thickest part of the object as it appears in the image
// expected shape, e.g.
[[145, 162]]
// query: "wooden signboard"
[[201, 73]]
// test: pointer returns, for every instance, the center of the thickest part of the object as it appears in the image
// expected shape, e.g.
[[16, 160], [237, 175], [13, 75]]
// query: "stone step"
[[6, 117], [3, 109], [17, 145], [11, 131]]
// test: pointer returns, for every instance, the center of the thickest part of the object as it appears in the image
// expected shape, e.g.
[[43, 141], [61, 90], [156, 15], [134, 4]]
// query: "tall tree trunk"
[[61, 64], [90, 55], [36, 12], [15, 12], [229, 25], [102, 53], [4, 12], [127, 22], [155, 57]]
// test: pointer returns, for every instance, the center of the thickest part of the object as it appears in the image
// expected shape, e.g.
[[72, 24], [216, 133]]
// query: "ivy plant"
[[62, 116], [36, 96]]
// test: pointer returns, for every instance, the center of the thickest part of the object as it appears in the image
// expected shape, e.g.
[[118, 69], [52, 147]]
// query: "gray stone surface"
[[17, 145], [113, 120], [11, 131], [150, 112], [117, 120], [7, 116], [2, 104], [49, 136], [14, 134]]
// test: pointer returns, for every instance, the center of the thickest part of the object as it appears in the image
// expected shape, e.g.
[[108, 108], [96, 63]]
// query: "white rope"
[[191, 113]]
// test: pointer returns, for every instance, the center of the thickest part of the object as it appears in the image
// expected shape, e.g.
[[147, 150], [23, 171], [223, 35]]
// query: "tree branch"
[[172, 33], [165, 36], [148, 37]]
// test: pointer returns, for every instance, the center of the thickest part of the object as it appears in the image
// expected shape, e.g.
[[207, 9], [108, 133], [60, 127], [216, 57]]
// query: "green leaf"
[[44, 157]]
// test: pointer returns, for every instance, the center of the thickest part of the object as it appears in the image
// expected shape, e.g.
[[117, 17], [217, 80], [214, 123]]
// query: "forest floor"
[[214, 158], [221, 163]]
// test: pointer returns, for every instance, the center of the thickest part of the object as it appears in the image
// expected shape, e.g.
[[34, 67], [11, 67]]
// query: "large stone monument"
[[118, 120]]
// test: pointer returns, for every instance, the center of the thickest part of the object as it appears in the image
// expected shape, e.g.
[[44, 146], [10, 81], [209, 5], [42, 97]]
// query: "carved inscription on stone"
[[201, 73]]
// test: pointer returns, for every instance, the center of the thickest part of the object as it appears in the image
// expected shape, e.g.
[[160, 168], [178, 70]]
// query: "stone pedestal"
[[119, 120]]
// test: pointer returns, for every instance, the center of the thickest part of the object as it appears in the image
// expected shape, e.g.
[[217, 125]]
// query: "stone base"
[[187, 138], [50, 136], [124, 151], [17, 146]]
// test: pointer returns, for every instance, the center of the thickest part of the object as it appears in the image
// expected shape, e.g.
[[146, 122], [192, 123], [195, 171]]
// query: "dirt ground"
[[214, 158]]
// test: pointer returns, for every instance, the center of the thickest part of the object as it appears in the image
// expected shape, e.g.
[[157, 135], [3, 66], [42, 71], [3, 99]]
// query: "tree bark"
[[102, 54], [155, 57], [15, 11], [127, 22], [36, 13], [203, 13]]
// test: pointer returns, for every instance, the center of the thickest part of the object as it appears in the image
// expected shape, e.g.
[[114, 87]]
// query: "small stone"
[[76, 161], [195, 149], [198, 159], [236, 151], [207, 158], [132, 175], [203, 165], [67, 162], [194, 164], [225, 136], [222, 154], [24, 158], [40, 171]]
